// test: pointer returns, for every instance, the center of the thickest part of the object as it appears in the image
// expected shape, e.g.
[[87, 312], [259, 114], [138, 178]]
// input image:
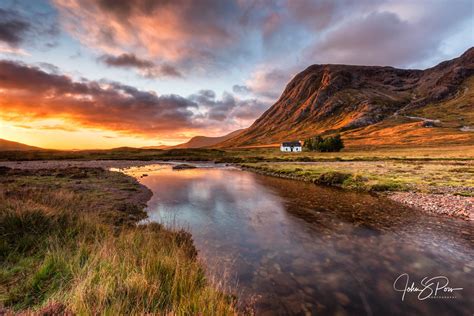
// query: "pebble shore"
[[444, 204]]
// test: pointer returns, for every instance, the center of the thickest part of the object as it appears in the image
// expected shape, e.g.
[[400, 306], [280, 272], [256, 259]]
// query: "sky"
[[77, 74]]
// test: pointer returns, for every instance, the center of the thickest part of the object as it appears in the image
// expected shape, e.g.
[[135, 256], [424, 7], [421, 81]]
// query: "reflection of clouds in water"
[[296, 243], [225, 209]]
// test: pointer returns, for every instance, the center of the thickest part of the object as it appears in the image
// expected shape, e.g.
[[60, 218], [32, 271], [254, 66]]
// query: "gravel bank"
[[444, 204]]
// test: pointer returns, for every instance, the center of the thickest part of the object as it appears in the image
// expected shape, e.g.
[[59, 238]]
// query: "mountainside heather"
[[6, 145], [359, 101]]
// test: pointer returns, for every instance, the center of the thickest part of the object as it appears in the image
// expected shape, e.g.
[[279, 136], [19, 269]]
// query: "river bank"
[[101, 232], [444, 187], [439, 187], [69, 244], [296, 248]]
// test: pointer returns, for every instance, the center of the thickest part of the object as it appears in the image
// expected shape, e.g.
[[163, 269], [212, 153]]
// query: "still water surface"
[[296, 248]]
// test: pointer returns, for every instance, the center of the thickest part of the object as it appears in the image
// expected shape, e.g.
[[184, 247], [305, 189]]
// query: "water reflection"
[[299, 248]]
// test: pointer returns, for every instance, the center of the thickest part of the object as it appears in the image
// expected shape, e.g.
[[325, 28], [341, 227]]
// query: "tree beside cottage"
[[328, 144]]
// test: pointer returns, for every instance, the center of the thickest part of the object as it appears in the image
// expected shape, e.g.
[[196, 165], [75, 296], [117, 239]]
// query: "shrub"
[[332, 178], [328, 144]]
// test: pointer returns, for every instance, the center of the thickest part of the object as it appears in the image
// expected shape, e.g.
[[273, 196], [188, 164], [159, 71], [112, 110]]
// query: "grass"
[[367, 153], [389, 175], [69, 245], [456, 112]]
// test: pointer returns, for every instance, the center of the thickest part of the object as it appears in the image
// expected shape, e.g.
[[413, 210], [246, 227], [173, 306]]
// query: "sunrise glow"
[[101, 74]]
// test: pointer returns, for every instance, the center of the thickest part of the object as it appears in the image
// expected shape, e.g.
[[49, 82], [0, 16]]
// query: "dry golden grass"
[[58, 253], [453, 113], [403, 132], [455, 177], [368, 153]]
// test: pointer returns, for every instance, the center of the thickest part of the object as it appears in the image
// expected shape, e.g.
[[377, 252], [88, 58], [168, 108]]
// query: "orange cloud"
[[32, 93], [171, 31], [29, 94]]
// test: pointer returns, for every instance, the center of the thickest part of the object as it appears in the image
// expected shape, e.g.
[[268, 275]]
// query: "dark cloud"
[[13, 27], [165, 70], [120, 8], [126, 60], [240, 89], [211, 35], [387, 38], [147, 67], [109, 105], [228, 107], [27, 26], [215, 109], [115, 106]]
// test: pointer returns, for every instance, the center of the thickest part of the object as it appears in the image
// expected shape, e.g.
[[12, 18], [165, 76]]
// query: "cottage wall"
[[290, 149]]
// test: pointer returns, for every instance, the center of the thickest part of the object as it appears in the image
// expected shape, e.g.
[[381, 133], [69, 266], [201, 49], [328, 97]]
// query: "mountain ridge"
[[333, 97], [207, 141], [200, 141], [8, 145]]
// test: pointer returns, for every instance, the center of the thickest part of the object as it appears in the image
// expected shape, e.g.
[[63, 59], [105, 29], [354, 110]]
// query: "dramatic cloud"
[[31, 93], [147, 68], [387, 37], [176, 32], [215, 109], [19, 28], [213, 36], [12, 27], [203, 35], [109, 105], [229, 108], [245, 50]]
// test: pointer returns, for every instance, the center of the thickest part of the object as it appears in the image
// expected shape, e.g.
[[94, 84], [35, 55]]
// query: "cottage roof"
[[291, 144]]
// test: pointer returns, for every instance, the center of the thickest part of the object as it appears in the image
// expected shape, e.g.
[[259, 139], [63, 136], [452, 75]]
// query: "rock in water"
[[183, 166]]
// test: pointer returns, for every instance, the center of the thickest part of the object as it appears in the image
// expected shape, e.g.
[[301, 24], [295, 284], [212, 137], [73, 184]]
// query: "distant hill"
[[6, 145], [372, 105], [156, 147], [205, 141]]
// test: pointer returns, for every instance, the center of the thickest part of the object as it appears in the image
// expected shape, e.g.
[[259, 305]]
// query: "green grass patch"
[[333, 178]]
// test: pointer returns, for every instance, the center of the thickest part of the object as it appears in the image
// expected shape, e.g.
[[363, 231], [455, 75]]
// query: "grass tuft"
[[62, 252]]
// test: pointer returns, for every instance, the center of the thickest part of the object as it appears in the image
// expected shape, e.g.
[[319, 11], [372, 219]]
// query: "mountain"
[[6, 145], [371, 103], [156, 147], [205, 141]]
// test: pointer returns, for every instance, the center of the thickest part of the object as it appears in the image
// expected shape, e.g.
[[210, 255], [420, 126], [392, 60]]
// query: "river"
[[287, 247]]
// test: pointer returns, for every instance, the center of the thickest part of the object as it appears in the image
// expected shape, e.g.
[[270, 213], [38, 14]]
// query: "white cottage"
[[291, 147]]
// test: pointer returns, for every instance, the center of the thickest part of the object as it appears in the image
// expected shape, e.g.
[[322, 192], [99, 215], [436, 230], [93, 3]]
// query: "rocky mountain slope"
[[351, 99], [6, 145]]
